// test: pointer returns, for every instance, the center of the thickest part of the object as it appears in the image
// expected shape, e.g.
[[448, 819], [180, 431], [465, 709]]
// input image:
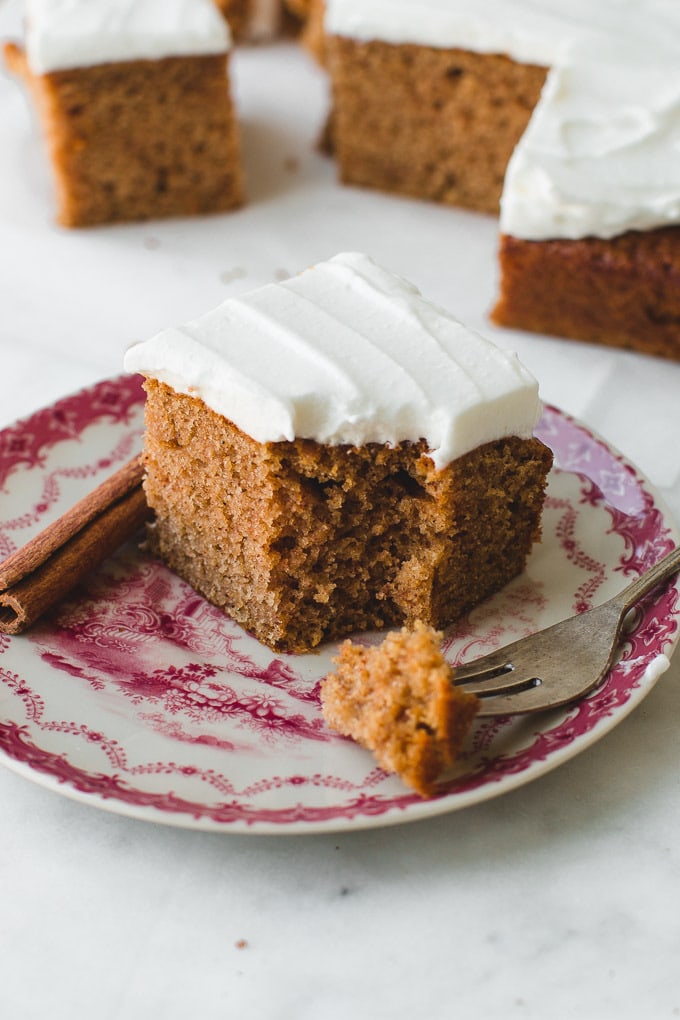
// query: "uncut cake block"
[[134, 103], [334, 454]]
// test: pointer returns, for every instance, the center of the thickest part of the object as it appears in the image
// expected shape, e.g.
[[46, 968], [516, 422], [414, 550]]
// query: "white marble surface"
[[560, 899]]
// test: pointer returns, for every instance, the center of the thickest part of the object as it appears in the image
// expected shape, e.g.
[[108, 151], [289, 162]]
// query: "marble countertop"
[[558, 899]]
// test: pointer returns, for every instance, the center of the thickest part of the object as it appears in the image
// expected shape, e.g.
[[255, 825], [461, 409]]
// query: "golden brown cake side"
[[624, 291], [301, 542], [138, 139], [434, 123], [398, 701]]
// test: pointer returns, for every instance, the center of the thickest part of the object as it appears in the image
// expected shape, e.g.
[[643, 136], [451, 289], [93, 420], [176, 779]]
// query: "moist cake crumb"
[[303, 543], [398, 700]]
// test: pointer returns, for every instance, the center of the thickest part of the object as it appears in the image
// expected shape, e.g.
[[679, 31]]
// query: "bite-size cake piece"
[[334, 453], [134, 103], [398, 700]]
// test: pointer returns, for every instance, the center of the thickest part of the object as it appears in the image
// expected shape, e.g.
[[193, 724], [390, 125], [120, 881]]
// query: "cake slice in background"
[[334, 454], [134, 104], [438, 122], [565, 115]]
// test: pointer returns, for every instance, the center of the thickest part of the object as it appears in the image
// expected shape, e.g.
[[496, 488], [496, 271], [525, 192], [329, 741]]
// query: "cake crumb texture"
[[439, 124], [301, 542], [138, 139], [398, 700]]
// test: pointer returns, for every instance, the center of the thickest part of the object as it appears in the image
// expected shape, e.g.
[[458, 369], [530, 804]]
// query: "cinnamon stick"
[[41, 573]]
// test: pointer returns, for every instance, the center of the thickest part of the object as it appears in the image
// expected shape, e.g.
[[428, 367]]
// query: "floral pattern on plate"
[[138, 696]]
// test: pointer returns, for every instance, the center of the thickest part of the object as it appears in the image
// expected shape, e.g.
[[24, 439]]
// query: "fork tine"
[[533, 674], [562, 663], [495, 664], [509, 704]]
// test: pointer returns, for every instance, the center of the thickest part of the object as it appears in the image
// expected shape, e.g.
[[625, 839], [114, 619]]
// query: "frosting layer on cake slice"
[[62, 34], [346, 353]]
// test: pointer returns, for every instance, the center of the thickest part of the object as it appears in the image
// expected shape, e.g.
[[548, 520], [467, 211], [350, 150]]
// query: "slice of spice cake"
[[419, 111], [334, 454], [134, 103]]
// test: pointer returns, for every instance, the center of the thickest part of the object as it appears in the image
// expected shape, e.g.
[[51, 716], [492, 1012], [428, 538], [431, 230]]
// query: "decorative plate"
[[139, 697]]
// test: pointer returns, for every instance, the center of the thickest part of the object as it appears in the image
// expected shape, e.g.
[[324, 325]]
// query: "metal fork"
[[563, 662]]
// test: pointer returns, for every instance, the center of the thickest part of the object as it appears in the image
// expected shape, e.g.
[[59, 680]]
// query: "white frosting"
[[520, 29], [346, 353], [600, 154], [62, 34]]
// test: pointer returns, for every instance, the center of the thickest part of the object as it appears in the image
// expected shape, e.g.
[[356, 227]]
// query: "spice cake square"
[[334, 454], [134, 103], [566, 115], [438, 123]]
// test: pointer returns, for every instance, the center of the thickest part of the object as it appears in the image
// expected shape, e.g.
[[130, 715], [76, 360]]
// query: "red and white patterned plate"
[[139, 697]]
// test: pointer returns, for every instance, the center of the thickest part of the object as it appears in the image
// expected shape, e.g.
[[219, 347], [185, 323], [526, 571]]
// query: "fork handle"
[[665, 568]]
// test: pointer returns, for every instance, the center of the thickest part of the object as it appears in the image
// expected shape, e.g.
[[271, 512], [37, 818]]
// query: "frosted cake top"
[[62, 34], [346, 352]]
